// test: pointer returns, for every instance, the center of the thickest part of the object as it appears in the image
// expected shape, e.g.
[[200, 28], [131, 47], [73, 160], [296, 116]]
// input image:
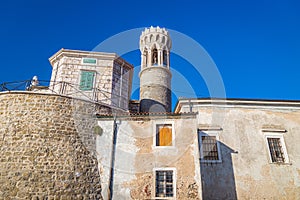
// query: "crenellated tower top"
[[155, 45]]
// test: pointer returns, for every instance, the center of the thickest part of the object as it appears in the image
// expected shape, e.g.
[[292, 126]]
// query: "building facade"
[[94, 76], [84, 138], [248, 149]]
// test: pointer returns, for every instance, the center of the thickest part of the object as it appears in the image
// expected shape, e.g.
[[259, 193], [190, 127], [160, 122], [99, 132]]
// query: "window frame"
[[155, 124], [283, 146], [174, 177], [214, 134], [80, 78]]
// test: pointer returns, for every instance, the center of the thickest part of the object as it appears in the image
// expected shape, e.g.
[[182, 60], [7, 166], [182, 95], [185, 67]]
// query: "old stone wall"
[[47, 148], [155, 89]]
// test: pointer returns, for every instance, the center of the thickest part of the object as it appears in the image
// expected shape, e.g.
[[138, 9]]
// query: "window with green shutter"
[[86, 80]]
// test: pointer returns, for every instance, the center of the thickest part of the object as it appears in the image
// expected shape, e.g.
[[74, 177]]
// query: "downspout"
[[190, 106], [113, 156]]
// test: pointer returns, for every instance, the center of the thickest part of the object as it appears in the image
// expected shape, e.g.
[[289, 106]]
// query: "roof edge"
[[237, 101], [71, 52]]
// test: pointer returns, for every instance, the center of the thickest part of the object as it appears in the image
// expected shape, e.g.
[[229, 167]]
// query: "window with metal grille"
[[86, 80], [164, 183], [164, 135], [209, 148], [276, 150]]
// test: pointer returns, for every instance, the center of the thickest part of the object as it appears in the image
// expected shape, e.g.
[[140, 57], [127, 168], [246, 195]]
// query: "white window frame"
[[174, 181], [209, 133], [166, 122], [280, 136], [89, 63]]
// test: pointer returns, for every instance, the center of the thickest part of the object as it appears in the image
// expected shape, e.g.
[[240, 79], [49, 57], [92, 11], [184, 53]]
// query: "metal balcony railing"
[[111, 98]]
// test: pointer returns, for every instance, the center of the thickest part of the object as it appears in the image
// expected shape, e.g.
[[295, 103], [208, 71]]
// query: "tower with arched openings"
[[155, 74]]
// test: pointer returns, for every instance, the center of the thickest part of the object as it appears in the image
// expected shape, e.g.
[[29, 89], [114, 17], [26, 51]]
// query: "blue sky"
[[254, 44]]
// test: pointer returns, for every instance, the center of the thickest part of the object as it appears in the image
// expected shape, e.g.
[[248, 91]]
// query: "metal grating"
[[164, 183], [209, 148], [276, 150]]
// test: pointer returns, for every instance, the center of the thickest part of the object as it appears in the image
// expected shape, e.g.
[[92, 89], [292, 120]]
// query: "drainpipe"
[[113, 156], [191, 106], [121, 85]]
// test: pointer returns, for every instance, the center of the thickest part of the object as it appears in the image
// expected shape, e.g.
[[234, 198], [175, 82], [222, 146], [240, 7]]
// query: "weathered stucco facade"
[[246, 170], [137, 156]]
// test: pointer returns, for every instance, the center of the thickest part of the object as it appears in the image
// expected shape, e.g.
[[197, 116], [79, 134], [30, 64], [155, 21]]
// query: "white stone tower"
[[155, 74]]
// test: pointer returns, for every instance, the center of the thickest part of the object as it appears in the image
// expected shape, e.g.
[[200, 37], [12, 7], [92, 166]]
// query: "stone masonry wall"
[[44, 152], [155, 89]]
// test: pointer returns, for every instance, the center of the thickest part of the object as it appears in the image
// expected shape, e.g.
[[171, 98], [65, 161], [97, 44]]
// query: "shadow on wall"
[[217, 178]]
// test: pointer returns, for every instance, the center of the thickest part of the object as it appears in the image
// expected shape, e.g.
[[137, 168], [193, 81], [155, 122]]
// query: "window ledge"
[[280, 163], [210, 161], [89, 90], [163, 147]]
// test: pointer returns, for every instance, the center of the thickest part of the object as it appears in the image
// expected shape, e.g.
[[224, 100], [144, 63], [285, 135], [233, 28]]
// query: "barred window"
[[276, 150], [164, 183], [209, 148]]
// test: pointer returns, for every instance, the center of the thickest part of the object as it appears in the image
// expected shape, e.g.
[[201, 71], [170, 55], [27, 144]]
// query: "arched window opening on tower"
[[154, 57], [145, 58], [157, 38], [165, 58], [151, 38]]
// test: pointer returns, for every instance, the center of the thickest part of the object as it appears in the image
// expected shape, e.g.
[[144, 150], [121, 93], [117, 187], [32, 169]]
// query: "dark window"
[[209, 148], [164, 135], [145, 58], [165, 58], [154, 57], [276, 150], [164, 183]]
